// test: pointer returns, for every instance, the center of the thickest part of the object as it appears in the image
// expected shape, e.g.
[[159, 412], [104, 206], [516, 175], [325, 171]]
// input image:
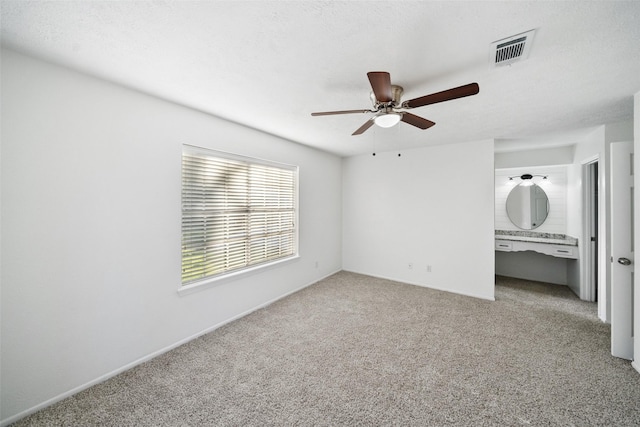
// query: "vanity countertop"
[[532, 236]]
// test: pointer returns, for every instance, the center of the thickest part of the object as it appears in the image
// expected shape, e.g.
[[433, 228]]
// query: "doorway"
[[590, 174]]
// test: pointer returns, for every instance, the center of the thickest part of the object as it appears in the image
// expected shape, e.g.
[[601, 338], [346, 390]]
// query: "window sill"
[[236, 275]]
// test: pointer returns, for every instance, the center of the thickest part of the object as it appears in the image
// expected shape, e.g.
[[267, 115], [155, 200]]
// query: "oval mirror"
[[527, 206]]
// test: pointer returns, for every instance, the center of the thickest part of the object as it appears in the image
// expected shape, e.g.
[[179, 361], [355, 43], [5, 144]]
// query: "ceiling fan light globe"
[[387, 120]]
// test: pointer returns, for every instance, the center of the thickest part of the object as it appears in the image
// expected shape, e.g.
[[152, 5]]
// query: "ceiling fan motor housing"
[[396, 94]]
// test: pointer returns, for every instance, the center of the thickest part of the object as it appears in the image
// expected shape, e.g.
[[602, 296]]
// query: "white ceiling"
[[269, 64]]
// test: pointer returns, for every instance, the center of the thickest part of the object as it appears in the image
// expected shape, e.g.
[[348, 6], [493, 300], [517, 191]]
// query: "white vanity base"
[[536, 256], [553, 249]]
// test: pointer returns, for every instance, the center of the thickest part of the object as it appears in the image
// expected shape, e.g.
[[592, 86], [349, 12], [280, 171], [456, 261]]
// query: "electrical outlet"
[[410, 266], [317, 264], [428, 269]]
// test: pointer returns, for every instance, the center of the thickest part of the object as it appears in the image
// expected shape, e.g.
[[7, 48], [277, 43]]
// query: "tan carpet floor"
[[354, 350]]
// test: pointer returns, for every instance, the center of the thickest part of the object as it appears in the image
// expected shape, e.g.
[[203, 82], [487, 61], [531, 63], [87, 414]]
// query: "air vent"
[[512, 49]]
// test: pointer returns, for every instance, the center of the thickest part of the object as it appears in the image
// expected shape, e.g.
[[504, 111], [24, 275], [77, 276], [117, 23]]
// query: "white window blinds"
[[236, 213]]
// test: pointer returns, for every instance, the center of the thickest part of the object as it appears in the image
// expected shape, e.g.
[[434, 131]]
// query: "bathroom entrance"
[[590, 174]]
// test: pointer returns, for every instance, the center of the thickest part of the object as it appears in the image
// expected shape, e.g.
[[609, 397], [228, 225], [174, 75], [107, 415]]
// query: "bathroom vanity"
[[557, 245], [521, 250]]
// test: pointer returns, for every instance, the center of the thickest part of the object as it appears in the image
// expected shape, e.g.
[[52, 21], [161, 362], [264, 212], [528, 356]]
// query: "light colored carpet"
[[356, 350]]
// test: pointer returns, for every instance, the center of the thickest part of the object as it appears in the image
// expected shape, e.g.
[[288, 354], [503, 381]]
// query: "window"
[[237, 213]]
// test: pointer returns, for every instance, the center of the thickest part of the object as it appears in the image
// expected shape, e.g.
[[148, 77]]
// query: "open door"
[[622, 261]]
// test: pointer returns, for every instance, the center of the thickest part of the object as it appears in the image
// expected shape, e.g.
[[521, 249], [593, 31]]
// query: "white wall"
[[555, 186], [535, 157], [91, 229], [531, 265], [636, 285], [431, 207]]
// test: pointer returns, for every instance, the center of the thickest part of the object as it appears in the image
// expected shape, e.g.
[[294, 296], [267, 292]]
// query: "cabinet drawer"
[[504, 245], [565, 251]]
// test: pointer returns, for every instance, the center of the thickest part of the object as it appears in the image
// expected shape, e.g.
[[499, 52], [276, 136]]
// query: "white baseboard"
[[436, 288], [150, 356]]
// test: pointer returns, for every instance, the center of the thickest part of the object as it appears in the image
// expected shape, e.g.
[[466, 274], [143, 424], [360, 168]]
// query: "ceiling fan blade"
[[445, 95], [364, 127], [381, 85], [331, 113], [417, 121]]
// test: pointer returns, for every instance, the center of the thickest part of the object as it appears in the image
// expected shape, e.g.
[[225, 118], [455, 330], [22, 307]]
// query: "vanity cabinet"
[[551, 248]]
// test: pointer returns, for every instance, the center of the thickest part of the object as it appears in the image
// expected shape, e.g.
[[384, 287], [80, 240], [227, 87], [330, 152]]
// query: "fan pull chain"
[[375, 134]]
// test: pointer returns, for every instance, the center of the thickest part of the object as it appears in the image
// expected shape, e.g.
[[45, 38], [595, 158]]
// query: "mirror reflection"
[[527, 206]]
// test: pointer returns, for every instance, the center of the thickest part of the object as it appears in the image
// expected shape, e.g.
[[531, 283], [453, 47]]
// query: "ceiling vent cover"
[[512, 49]]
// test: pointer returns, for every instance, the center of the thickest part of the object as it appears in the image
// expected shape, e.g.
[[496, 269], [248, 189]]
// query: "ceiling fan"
[[389, 110]]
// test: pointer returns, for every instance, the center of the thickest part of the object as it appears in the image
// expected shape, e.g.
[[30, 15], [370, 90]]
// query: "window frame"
[[225, 276]]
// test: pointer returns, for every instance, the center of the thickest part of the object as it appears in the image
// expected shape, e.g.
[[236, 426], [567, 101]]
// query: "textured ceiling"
[[269, 64]]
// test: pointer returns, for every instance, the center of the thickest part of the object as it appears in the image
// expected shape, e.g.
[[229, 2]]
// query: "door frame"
[[604, 310]]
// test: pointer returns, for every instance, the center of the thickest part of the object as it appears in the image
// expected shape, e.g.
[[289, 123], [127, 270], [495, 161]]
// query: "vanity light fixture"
[[527, 178]]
